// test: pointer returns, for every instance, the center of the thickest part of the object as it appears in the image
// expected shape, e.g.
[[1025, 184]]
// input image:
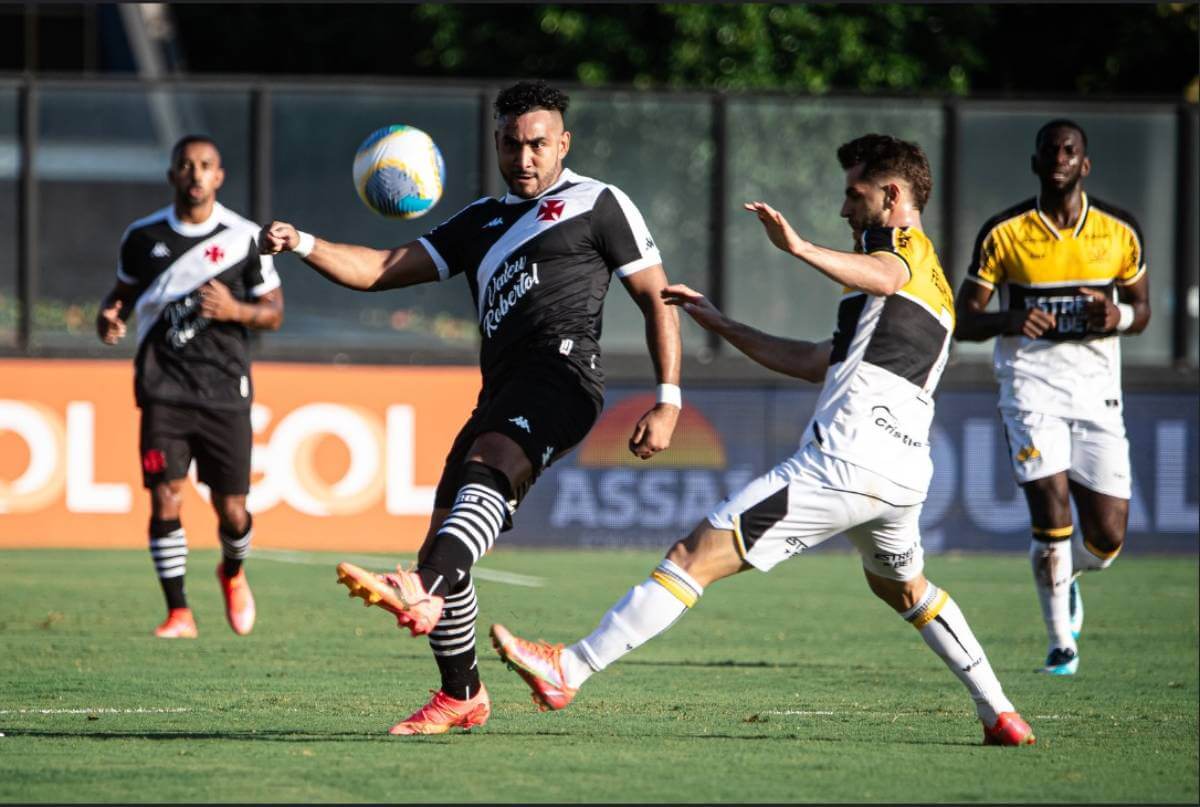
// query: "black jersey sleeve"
[[621, 235], [447, 242], [127, 263]]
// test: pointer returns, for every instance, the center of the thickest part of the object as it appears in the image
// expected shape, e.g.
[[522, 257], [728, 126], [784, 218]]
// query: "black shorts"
[[542, 405], [219, 440]]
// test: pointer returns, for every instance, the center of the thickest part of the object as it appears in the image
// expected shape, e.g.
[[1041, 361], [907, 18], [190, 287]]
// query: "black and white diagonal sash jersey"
[[539, 269], [184, 358]]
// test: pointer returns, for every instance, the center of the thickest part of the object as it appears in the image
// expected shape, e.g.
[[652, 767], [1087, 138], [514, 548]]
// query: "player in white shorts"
[[1071, 272], [863, 466]]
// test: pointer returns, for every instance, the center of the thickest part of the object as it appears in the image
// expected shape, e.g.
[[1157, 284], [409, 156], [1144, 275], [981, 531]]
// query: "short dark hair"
[[1058, 123], [884, 155], [526, 96], [188, 140]]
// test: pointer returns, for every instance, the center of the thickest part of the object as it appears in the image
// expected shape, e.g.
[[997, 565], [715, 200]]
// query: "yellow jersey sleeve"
[[894, 241], [987, 262]]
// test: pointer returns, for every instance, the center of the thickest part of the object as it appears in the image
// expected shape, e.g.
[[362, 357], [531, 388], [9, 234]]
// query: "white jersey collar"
[[567, 176], [200, 228]]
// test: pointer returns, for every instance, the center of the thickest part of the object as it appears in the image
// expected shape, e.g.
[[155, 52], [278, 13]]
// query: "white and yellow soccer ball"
[[399, 172]]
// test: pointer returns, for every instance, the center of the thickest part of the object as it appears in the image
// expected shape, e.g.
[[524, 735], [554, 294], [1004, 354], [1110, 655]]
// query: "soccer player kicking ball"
[[863, 466], [538, 262]]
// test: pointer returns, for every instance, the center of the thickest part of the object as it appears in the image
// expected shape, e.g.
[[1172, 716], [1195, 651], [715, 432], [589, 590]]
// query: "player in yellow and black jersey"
[[1071, 273]]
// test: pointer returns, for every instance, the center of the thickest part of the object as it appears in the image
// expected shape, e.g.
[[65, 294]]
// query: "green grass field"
[[793, 686]]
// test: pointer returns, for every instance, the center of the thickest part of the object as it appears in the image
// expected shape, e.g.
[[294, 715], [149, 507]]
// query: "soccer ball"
[[399, 172]]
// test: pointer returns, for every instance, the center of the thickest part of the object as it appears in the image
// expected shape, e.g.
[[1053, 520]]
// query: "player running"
[[863, 466], [1071, 271], [538, 261], [194, 273]]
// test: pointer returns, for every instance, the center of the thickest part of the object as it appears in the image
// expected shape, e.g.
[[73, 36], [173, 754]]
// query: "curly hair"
[[526, 96], [883, 156]]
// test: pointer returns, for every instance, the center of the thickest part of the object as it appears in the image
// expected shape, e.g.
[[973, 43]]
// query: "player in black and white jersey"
[[538, 262], [193, 274]]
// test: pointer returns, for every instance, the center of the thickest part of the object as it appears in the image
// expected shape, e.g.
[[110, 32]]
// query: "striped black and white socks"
[[168, 549]]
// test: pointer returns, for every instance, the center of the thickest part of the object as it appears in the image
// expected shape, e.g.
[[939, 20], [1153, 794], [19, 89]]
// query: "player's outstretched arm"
[[793, 357], [974, 323], [350, 265], [115, 308], [653, 431], [880, 274]]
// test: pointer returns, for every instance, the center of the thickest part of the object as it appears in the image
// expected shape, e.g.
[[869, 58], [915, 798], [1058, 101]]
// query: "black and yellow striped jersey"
[[1033, 263], [888, 355]]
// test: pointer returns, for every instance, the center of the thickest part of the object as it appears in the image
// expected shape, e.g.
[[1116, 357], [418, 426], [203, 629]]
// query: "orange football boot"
[[400, 592], [179, 624], [239, 601], [539, 664], [1010, 729], [443, 713]]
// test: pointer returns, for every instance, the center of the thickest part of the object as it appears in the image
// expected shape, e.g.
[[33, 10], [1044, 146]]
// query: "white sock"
[[1051, 562], [647, 610], [944, 628], [1087, 558]]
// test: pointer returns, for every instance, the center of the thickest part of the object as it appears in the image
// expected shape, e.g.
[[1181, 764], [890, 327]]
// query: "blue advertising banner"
[[602, 496]]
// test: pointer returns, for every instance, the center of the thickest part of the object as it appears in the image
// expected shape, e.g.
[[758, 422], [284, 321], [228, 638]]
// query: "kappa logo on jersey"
[[551, 210], [160, 250], [522, 422], [214, 253], [546, 455], [496, 222]]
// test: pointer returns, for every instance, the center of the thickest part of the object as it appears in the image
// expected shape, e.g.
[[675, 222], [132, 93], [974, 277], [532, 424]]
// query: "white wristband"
[[305, 246], [1126, 316], [670, 394]]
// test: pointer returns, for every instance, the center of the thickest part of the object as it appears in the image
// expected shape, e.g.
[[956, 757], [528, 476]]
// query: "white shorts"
[[811, 497], [1094, 453]]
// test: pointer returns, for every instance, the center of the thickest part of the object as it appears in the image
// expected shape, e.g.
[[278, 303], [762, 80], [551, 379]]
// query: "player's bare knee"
[[231, 512], [502, 453], [900, 595], [707, 554], [166, 502]]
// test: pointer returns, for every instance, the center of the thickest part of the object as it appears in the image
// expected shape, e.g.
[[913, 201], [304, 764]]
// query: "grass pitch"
[[793, 686]]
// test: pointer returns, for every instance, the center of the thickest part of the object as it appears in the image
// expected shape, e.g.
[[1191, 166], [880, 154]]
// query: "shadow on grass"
[[270, 736]]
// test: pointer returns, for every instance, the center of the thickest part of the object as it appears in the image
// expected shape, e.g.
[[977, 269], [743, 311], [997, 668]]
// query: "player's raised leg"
[[1100, 485], [555, 673]]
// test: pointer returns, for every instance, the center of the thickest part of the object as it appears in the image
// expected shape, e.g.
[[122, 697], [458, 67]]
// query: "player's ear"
[[220, 180], [1085, 167], [564, 144]]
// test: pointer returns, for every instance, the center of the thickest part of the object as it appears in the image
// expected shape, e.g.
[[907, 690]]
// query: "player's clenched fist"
[[278, 236], [109, 325], [1102, 314]]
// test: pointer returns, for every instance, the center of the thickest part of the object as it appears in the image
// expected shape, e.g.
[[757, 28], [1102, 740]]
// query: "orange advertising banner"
[[344, 458]]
